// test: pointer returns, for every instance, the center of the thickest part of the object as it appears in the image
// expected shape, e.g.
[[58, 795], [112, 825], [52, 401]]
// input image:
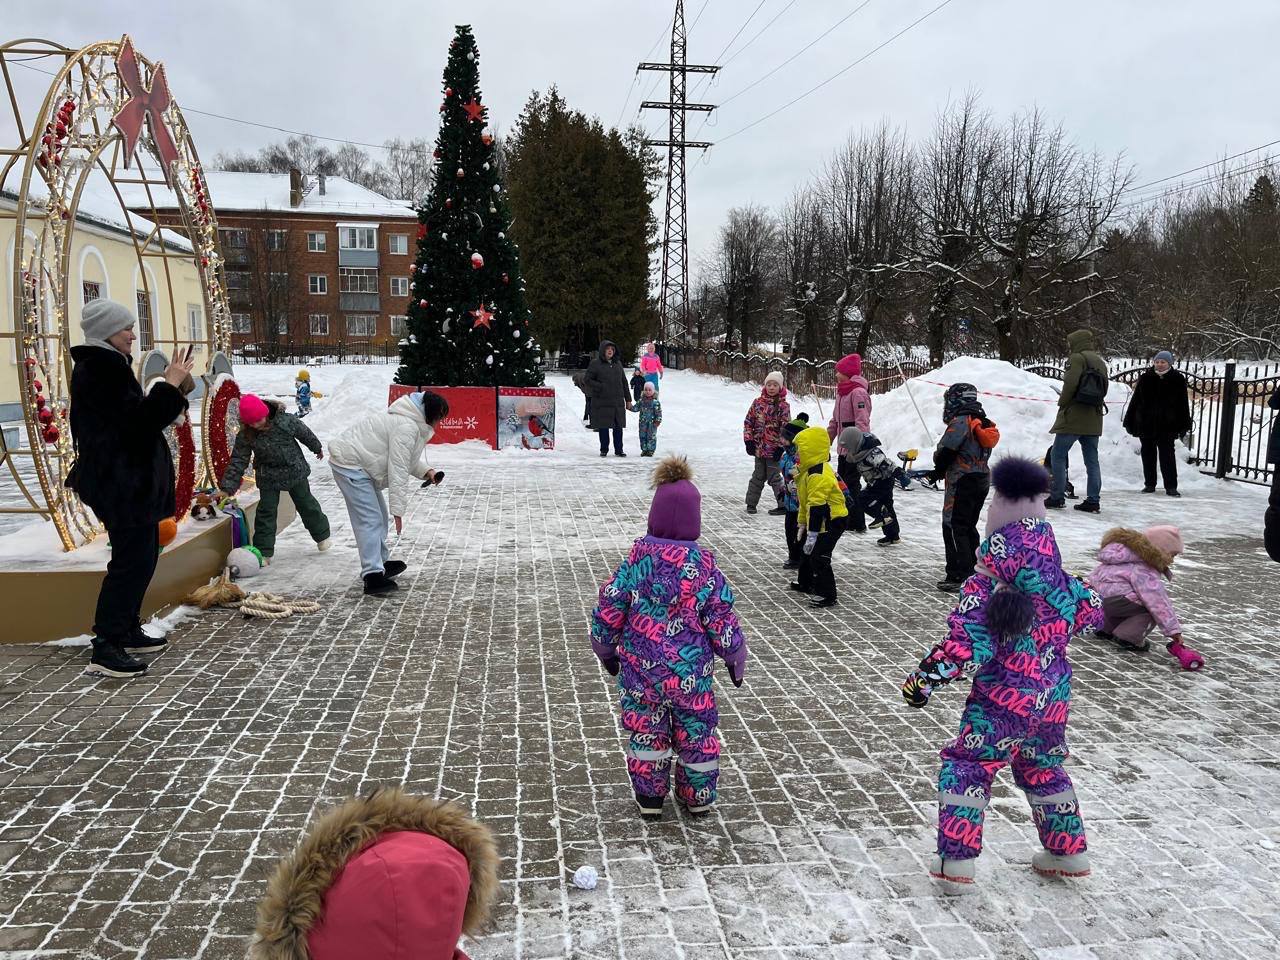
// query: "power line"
[[837, 74], [776, 17], [1256, 167], [635, 80], [1205, 166], [248, 123], [746, 23], [706, 81]]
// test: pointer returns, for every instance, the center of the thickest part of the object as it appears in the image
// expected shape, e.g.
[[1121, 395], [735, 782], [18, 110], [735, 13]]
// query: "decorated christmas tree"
[[468, 324]]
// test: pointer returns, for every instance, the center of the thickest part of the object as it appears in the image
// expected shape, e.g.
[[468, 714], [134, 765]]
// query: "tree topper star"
[[474, 109], [483, 318]]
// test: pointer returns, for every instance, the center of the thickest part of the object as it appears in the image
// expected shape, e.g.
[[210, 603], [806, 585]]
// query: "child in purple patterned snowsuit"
[[663, 617], [1016, 616]]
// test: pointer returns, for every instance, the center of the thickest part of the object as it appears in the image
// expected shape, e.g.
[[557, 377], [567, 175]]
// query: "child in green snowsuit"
[[650, 409], [270, 437]]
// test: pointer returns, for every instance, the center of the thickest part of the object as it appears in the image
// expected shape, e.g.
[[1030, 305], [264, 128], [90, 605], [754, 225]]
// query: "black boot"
[[1089, 506], [393, 568], [377, 584], [142, 642], [110, 660], [650, 807]]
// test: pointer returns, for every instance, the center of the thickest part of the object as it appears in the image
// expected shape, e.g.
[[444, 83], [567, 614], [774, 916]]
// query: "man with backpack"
[[1080, 410]]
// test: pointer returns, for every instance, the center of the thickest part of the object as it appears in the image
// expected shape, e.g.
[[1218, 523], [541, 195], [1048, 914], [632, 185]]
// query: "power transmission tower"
[[674, 304]]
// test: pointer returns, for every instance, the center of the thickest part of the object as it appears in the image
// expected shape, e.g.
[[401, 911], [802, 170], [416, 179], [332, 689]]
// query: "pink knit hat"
[[252, 409], [850, 365], [1165, 538]]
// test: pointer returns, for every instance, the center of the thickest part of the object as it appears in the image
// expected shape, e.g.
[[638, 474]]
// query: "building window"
[[317, 242], [277, 239], [241, 323], [237, 280], [317, 283], [361, 325], [318, 324], [144, 320], [282, 323], [399, 325], [195, 324], [91, 290], [399, 286], [236, 239], [357, 280], [399, 243], [358, 238]]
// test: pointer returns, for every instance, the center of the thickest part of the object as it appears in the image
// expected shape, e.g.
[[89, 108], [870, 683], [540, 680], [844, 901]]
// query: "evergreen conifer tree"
[[468, 324]]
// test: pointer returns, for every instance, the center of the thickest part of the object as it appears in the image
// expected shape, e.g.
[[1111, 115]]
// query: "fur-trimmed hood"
[[295, 902], [1122, 545]]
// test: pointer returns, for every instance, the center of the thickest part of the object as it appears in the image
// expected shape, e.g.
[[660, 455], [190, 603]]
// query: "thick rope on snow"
[[269, 606]]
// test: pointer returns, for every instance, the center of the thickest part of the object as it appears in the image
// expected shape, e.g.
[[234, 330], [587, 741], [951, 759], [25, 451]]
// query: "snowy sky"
[[1173, 83]]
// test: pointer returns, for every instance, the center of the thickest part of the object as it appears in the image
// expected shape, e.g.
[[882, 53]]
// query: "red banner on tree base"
[[527, 418], [472, 412]]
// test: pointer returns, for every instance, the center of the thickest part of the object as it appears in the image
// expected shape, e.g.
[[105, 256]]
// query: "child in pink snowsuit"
[[852, 409], [1010, 630], [663, 618], [651, 366], [1130, 575]]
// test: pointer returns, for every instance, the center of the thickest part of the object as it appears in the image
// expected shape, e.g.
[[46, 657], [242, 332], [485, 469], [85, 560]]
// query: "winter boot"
[[751, 509], [798, 588], [950, 586], [888, 541], [324, 545], [699, 809], [1055, 865], [110, 660], [791, 565], [650, 807], [142, 642], [1089, 506], [778, 511], [821, 603], [1053, 504], [378, 584], [1188, 657], [956, 875], [393, 568]]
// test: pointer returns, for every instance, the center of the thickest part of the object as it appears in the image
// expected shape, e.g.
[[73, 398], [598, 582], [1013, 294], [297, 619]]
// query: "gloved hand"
[[916, 689], [810, 542], [751, 448], [736, 663], [608, 656]]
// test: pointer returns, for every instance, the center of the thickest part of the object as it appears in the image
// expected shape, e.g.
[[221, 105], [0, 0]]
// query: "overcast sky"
[[1172, 83]]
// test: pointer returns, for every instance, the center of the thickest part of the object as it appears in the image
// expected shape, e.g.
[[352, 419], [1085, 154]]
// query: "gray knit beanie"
[[101, 319], [1164, 355]]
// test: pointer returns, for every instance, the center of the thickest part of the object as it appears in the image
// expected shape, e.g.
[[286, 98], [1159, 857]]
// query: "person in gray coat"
[[610, 395]]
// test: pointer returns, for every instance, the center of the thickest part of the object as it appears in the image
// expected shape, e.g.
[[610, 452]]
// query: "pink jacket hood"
[[1131, 567]]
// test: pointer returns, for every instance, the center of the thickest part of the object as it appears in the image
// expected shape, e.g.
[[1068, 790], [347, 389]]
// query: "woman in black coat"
[[1159, 412], [610, 397], [123, 473]]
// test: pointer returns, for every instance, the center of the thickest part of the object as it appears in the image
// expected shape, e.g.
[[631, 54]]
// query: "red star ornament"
[[483, 317], [474, 109]]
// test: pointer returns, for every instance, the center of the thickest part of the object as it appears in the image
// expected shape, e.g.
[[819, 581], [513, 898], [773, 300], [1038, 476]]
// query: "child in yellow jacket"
[[823, 515]]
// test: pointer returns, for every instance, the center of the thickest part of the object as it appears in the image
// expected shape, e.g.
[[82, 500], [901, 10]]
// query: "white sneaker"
[[324, 545], [1048, 864]]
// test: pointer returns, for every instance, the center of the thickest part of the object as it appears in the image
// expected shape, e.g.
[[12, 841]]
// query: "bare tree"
[[274, 275], [406, 173], [955, 168], [744, 272], [802, 237]]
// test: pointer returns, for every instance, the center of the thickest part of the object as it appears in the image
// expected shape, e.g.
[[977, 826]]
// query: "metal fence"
[[1229, 401], [317, 353]]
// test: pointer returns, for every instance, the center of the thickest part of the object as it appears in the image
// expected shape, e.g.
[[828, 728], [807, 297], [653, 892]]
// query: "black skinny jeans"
[[134, 553], [849, 474], [816, 574]]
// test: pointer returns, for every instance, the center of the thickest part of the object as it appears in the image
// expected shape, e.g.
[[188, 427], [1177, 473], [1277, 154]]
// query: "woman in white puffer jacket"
[[385, 452]]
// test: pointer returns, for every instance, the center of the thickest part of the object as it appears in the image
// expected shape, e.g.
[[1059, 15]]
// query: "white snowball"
[[586, 878]]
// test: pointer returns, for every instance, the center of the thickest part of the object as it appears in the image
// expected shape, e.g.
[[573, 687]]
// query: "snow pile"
[[1024, 406]]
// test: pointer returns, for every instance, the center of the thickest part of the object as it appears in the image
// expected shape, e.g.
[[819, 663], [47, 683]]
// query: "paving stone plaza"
[[142, 818]]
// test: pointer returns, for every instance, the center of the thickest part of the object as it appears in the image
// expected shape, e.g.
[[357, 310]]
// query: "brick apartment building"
[[317, 264]]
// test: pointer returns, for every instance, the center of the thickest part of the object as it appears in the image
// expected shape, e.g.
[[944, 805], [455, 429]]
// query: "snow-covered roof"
[[247, 192], [100, 207]]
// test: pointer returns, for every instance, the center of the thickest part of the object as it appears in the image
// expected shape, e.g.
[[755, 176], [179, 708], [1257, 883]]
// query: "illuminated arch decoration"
[[107, 109]]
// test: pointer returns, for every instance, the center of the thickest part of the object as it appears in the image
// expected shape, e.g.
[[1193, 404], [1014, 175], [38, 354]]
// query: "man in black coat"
[[1271, 533], [1159, 412], [606, 382], [124, 473]]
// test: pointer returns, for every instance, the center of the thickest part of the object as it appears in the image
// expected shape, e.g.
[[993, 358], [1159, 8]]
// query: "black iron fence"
[[315, 353]]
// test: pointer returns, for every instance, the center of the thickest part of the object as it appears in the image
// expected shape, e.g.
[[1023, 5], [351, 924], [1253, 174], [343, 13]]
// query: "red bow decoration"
[[142, 102]]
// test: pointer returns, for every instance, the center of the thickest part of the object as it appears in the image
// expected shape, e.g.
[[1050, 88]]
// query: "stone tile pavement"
[[141, 819]]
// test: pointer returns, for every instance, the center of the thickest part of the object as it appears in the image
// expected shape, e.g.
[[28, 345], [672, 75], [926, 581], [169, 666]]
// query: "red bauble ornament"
[[505, 278], [474, 109], [39, 403], [448, 91], [477, 261], [461, 173], [448, 203], [51, 434], [486, 140], [30, 361], [45, 415], [436, 153], [422, 304], [37, 386], [422, 230]]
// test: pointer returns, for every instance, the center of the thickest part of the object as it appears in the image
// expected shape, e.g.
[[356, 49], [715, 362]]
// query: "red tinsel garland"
[[186, 492], [220, 436]]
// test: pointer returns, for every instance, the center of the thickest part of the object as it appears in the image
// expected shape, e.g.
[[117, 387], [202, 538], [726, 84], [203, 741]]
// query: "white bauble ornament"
[[444, 327], [471, 55], [461, 173], [485, 167], [502, 236], [497, 188], [489, 359], [516, 334]]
